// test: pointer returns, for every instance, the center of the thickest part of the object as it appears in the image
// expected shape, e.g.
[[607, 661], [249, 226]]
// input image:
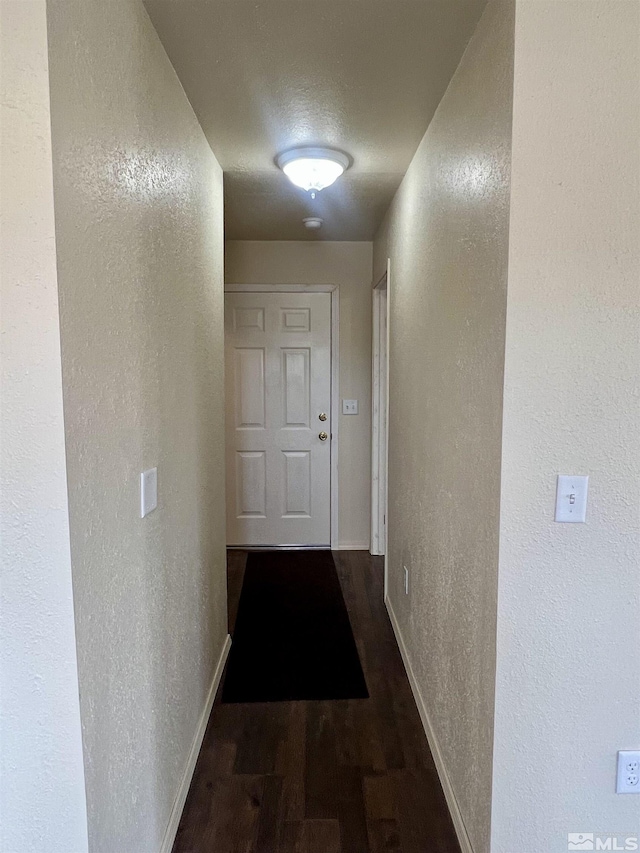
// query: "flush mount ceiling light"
[[313, 169]]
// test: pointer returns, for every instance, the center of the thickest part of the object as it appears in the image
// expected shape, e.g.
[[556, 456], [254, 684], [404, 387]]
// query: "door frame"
[[380, 419], [334, 290]]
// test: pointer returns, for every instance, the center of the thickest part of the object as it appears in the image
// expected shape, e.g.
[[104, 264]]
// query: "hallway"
[[202, 204], [322, 777]]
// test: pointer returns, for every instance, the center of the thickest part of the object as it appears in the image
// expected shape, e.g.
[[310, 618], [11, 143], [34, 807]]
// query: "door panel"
[[278, 381], [248, 318], [295, 384], [297, 483], [249, 389], [251, 479], [296, 320]]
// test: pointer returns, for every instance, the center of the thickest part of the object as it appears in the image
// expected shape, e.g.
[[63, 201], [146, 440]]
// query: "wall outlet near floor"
[[628, 779], [406, 580], [148, 491]]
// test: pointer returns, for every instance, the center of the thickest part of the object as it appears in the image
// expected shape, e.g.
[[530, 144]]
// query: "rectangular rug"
[[292, 638]]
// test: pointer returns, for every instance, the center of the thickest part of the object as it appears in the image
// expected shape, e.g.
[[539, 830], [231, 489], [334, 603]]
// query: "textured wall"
[[138, 197], [568, 676], [447, 236], [42, 801], [348, 265]]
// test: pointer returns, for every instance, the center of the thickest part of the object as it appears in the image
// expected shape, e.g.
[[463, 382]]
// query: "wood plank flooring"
[[353, 776]]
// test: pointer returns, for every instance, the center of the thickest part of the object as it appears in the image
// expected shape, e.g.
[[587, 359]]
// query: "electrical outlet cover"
[[628, 778], [148, 491]]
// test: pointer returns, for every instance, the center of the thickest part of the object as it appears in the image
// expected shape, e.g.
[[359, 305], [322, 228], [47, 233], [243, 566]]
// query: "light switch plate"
[[349, 407], [148, 491], [571, 498]]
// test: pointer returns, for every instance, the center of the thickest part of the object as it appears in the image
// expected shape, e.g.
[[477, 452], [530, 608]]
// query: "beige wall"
[[447, 237], [138, 199], [42, 799], [349, 266], [568, 677]]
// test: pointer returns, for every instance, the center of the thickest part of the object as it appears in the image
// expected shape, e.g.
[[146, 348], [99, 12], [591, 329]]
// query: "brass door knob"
[[322, 416], [323, 436]]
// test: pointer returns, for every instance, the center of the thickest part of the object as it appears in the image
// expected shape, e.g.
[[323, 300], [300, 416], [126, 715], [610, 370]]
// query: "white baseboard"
[[454, 808], [353, 546], [185, 782]]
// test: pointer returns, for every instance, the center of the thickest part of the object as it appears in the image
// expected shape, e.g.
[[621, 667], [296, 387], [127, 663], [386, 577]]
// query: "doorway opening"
[[281, 345], [380, 417]]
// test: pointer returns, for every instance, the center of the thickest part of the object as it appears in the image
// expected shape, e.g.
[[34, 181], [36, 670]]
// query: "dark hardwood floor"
[[350, 776]]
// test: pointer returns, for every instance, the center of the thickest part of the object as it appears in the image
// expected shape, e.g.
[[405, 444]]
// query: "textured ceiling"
[[364, 76]]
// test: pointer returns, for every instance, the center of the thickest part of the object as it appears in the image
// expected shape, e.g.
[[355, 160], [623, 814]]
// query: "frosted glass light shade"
[[313, 169]]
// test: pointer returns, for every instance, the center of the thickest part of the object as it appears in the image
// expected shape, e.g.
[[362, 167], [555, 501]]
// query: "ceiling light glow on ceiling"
[[313, 169]]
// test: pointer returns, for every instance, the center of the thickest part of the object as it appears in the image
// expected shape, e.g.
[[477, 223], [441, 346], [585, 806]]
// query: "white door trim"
[[334, 290], [379, 420]]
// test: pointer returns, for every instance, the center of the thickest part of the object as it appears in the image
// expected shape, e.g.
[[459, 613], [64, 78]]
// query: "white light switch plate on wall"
[[148, 491], [349, 407], [571, 498]]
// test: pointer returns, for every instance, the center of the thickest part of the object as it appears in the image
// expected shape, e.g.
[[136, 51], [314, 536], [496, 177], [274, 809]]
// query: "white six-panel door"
[[278, 386]]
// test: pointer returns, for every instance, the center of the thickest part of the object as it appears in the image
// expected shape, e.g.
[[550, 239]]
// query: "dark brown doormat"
[[292, 639]]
